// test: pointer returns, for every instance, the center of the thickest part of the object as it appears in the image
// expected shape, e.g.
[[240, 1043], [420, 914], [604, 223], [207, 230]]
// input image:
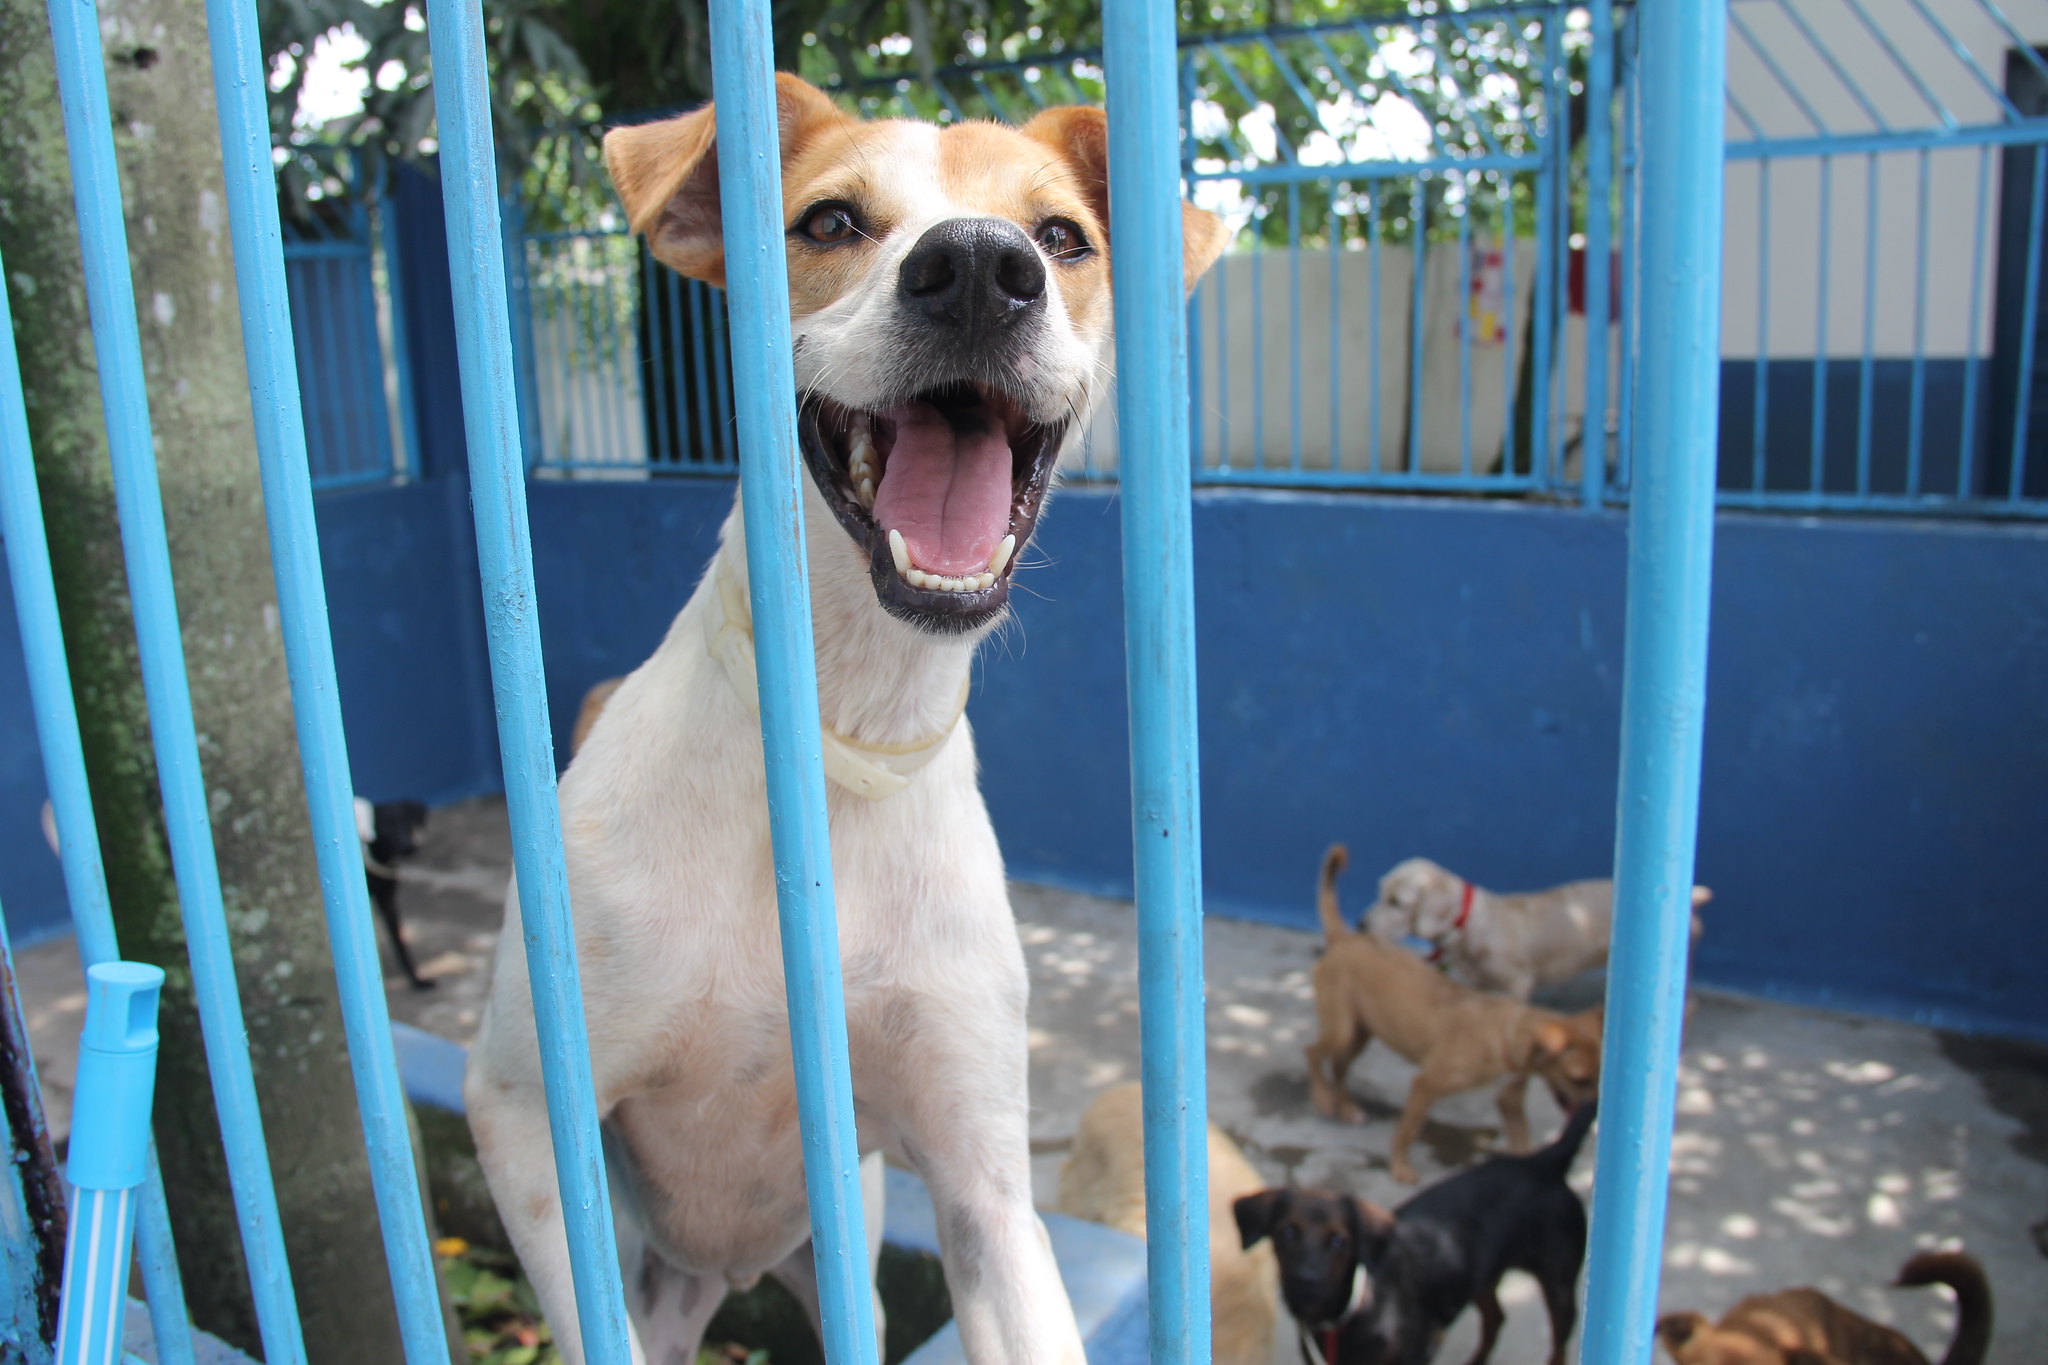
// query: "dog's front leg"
[[508, 1118], [1514, 1111], [962, 1122]]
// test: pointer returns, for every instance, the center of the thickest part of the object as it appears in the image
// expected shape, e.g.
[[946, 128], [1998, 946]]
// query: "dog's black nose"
[[972, 275]]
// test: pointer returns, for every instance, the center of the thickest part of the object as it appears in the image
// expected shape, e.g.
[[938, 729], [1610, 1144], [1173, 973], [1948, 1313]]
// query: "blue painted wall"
[[1410, 676], [1443, 678]]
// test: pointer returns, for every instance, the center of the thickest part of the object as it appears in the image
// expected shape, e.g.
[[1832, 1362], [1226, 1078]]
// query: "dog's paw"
[[1402, 1171], [1350, 1112]]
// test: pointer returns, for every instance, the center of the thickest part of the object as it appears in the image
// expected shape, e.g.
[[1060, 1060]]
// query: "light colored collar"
[[873, 771]]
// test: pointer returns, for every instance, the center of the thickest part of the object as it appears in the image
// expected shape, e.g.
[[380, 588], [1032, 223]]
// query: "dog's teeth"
[[1002, 554], [917, 578], [984, 580], [867, 492], [900, 553]]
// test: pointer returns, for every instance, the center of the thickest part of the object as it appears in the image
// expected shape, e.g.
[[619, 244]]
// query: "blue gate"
[[1679, 250]]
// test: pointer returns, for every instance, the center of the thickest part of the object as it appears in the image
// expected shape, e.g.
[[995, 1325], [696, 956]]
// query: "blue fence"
[[1678, 230]]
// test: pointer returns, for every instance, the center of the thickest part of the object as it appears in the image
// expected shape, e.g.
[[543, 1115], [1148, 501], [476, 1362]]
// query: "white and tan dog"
[[950, 300], [1511, 944]]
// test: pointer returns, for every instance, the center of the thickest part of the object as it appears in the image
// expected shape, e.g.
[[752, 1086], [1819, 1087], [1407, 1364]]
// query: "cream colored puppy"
[[950, 304], [1103, 1181], [1511, 944]]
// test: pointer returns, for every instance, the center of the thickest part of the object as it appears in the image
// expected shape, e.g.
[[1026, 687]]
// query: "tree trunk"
[[167, 144]]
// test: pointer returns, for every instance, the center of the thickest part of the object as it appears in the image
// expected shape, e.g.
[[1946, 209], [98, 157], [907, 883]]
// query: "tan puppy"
[[950, 297], [1103, 1181], [1459, 1037], [1511, 944], [1806, 1327]]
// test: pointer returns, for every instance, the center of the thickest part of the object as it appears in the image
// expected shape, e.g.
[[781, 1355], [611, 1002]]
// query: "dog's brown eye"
[[1063, 240], [829, 224]]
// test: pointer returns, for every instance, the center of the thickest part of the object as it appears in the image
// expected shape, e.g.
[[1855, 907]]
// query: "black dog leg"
[[384, 895]]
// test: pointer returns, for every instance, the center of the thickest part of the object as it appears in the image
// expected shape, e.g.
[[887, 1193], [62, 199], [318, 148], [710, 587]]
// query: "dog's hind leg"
[[798, 1272], [1490, 1319], [1512, 1101], [669, 1308], [1561, 1298]]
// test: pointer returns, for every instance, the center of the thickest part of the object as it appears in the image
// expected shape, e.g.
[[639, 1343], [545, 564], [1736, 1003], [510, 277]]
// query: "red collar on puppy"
[[1436, 950], [1324, 1340]]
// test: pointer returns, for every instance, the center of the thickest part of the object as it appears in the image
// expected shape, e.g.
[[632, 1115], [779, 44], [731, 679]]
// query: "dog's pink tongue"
[[947, 491]]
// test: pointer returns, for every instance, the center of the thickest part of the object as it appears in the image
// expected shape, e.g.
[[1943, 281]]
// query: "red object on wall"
[[1575, 284]]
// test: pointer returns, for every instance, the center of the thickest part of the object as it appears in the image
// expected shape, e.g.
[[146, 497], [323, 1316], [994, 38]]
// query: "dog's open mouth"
[[942, 491]]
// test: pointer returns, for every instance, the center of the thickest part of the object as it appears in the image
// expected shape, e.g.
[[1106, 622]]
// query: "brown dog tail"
[[1334, 862], [1960, 1272]]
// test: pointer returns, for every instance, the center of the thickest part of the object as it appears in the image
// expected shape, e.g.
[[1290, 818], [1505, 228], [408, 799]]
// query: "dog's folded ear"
[[1257, 1213], [1371, 1225], [1080, 134], [666, 174], [1676, 1329]]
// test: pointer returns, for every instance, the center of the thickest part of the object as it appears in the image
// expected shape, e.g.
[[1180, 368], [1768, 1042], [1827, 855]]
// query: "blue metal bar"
[[1961, 51], [1867, 374], [1258, 311], [1905, 67], [1561, 247], [1372, 246], [1462, 311], [1671, 528], [1367, 170], [721, 385], [1252, 102], [1294, 326], [1759, 426], [1966, 464], [654, 368], [700, 329], [1334, 249], [1742, 112], [251, 185], [1543, 306], [1785, 82], [78, 844], [1599, 252], [1916, 419], [109, 1157], [1510, 287], [117, 344], [1827, 54], [1159, 642], [1222, 362], [1418, 318], [1467, 102], [401, 345], [1817, 454], [674, 286], [2030, 316], [1631, 310], [2031, 133], [778, 584], [2020, 45], [1287, 74], [483, 335]]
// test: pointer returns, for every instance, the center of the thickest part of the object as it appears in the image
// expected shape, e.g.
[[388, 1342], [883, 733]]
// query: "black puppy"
[[1372, 1288], [390, 830]]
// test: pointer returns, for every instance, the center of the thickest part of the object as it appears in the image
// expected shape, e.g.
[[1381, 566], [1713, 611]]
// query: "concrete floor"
[[1812, 1148]]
